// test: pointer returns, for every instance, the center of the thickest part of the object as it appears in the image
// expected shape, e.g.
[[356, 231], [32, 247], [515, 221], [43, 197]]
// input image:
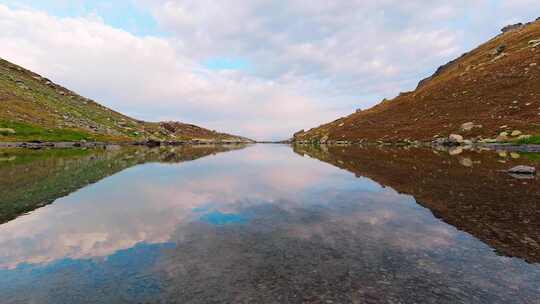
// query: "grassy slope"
[[38, 109], [478, 87]]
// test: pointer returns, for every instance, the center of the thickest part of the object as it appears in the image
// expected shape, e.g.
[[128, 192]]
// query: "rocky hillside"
[[491, 93], [34, 108]]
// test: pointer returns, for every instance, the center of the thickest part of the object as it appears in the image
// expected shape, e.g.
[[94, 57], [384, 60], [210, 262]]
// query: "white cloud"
[[147, 76], [310, 61]]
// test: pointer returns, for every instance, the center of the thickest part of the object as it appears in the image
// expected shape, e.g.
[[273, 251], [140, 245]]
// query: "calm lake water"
[[268, 224]]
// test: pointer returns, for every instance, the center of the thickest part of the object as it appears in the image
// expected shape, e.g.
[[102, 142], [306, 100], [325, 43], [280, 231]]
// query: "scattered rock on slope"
[[468, 126]]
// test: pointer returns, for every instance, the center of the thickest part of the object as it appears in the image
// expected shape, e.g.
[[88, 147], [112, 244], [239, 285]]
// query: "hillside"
[[34, 108], [490, 90]]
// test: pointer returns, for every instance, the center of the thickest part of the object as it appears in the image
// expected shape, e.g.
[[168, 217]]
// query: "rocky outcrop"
[[439, 71], [512, 27]]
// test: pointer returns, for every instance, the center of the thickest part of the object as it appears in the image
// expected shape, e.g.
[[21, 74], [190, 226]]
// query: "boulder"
[[468, 126], [526, 170], [456, 138], [516, 133], [534, 43], [499, 50], [7, 131]]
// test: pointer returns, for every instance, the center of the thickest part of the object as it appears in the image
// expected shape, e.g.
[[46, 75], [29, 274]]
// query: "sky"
[[258, 68]]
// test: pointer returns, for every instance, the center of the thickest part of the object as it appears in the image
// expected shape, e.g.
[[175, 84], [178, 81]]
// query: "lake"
[[268, 224]]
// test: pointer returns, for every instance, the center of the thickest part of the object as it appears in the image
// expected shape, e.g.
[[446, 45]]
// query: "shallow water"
[[267, 224]]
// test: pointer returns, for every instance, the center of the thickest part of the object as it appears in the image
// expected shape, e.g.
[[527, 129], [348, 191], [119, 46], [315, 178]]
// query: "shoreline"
[[76, 144], [527, 148], [65, 145]]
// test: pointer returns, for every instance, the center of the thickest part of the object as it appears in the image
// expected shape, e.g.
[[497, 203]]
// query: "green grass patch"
[[533, 140], [27, 132]]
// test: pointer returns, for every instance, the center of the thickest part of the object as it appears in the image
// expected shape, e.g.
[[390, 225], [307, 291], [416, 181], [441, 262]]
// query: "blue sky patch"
[[125, 15], [224, 63]]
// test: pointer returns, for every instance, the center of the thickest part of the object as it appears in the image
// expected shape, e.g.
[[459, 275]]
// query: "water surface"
[[267, 224]]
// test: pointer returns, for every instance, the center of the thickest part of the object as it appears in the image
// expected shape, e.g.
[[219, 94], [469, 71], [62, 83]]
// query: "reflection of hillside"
[[467, 191], [30, 179]]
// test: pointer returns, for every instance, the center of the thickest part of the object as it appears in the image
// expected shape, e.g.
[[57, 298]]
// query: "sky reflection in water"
[[257, 225]]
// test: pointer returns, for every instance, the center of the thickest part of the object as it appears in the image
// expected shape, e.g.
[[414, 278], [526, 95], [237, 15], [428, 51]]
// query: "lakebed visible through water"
[[268, 224]]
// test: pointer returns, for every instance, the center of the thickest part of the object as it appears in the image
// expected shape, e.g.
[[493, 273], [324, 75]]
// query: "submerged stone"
[[527, 170]]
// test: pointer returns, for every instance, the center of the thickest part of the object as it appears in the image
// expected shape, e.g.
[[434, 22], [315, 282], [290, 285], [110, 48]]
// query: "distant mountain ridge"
[[33, 108], [489, 94]]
